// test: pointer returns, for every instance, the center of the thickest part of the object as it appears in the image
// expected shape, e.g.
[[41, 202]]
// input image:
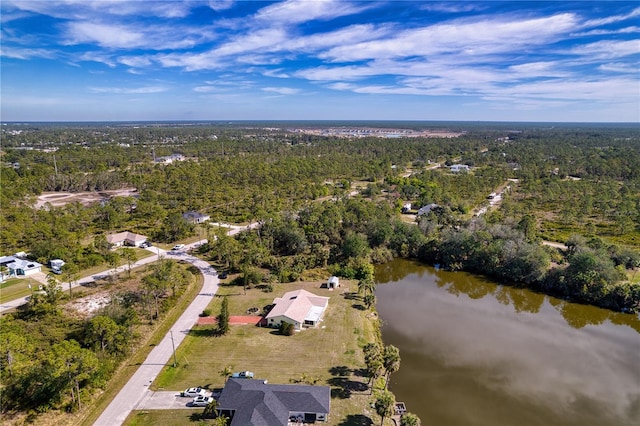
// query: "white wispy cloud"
[[486, 36], [121, 36], [625, 30], [135, 61], [619, 67], [297, 11], [612, 19], [607, 49], [97, 56], [219, 5], [129, 90], [281, 90], [26, 53], [95, 9]]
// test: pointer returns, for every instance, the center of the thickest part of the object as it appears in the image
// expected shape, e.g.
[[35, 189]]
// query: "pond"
[[476, 353]]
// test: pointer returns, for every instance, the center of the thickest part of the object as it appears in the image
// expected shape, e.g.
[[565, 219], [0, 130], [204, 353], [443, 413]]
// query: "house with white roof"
[[16, 267], [125, 239], [299, 307], [457, 168]]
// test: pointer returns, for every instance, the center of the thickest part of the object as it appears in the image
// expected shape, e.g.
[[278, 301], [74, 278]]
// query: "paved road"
[[136, 394], [137, 389], [12, 304]]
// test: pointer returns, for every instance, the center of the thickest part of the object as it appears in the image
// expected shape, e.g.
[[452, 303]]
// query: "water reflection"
[[495, 355]]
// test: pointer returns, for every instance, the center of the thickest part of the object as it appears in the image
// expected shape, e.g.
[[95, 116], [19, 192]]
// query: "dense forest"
[[321, 202]]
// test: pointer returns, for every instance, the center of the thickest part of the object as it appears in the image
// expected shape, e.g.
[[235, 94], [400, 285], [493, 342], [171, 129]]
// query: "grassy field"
[[329, 355], [15, 288]]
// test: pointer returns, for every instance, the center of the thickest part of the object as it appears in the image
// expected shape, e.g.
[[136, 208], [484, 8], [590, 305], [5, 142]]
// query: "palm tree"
[[226, 372], [385, 405], [366, 286], [391, 361]]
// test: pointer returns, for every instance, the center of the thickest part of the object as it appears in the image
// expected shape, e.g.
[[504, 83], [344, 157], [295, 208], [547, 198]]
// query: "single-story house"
[[299, 307], [457, 168], [195, 217], [170, 159], [19, 267], [254, 402], [125, 239], [426, 209]]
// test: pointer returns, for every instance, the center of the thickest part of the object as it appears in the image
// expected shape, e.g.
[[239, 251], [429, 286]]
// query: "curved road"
[[136, 391], [137, 388]]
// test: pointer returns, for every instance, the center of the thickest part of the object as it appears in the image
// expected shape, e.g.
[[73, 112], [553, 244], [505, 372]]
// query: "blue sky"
[[325, 60]]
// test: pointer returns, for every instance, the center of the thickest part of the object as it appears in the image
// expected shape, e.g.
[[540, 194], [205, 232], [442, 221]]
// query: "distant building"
[[125, 239], [195, 217], [170, 159], [457, 168], [426, 209]]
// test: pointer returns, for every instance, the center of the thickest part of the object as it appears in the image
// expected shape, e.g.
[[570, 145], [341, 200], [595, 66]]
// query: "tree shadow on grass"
[[340, 370], [356, 420], [350, 295], [343, 387], [358, 306], [205, 332], [360, 372]]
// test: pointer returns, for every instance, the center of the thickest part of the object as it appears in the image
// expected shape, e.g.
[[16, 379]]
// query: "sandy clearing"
[[57, 199]]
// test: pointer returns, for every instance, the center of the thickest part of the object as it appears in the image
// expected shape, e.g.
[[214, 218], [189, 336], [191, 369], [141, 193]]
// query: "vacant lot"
[[329, 355]]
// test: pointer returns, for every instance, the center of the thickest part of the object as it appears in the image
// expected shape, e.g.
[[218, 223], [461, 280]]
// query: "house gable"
[[299, 308], [126, 238]]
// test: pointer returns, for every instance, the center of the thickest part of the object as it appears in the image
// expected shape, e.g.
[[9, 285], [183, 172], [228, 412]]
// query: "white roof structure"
[[300, 306], [126, 237]]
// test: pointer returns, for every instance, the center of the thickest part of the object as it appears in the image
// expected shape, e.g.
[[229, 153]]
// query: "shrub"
[[206, 313], [286, 329]]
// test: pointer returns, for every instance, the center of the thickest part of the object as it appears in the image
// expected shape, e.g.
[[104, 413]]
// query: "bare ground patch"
[[57, 199]]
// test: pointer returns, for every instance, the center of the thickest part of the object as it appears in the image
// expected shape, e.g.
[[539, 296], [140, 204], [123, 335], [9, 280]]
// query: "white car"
[[178, 247], [201, 401], [193, 392], [243, 375]]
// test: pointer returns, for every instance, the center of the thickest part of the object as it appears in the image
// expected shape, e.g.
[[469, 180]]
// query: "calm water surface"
[[476, 353]]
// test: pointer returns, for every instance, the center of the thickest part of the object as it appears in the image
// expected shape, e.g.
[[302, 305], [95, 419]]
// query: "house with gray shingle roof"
[[251, 402], [299, 307]]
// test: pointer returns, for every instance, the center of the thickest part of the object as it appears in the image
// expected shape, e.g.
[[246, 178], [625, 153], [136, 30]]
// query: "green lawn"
[[331, 354], [15, 288], [166, 418]]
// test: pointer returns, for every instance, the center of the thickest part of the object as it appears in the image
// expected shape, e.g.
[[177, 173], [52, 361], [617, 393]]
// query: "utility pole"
[[173, 345]]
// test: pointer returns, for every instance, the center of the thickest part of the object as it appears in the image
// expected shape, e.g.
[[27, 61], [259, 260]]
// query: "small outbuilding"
[[334, 282]]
